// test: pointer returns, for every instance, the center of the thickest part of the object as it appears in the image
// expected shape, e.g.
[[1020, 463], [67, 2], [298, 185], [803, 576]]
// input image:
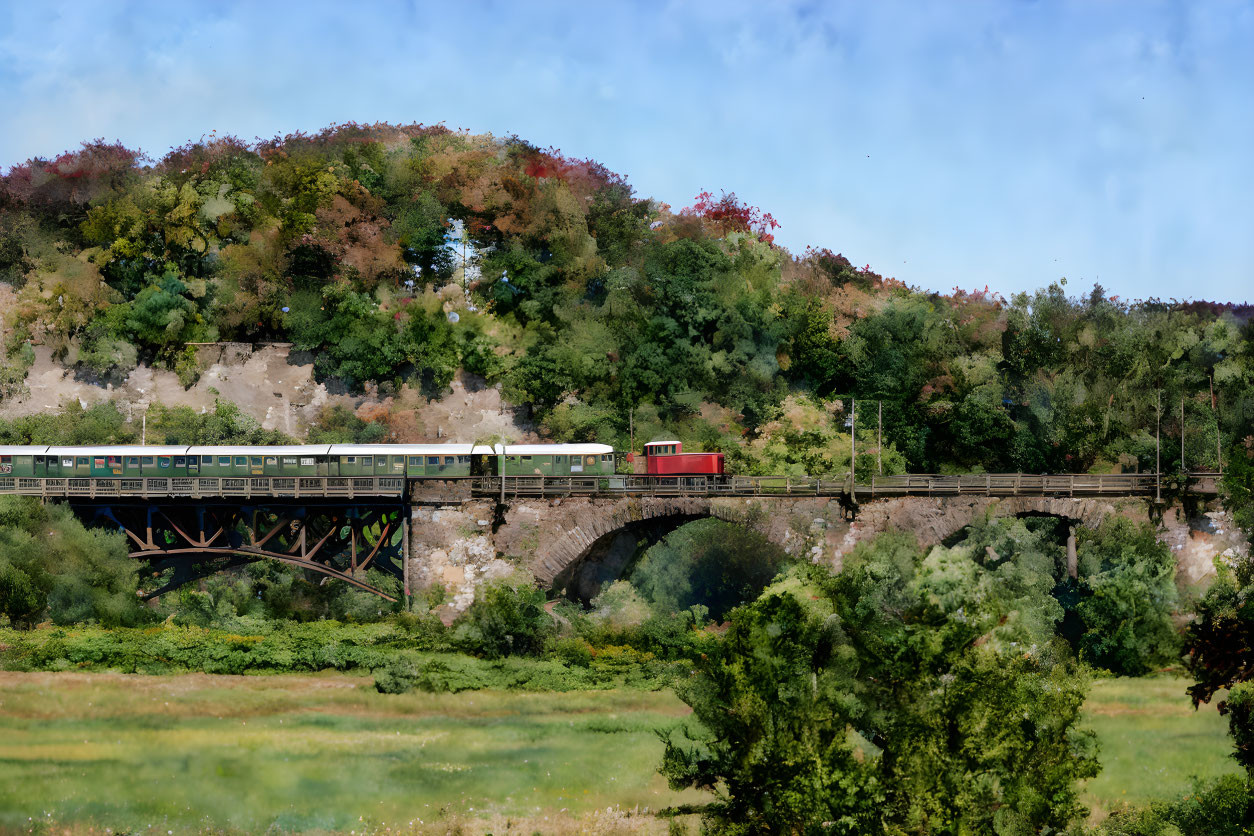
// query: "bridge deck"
[[202, 487], [982, 484], [329, 487]]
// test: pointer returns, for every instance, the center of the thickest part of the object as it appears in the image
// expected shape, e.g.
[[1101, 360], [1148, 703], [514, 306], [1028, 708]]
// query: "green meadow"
[[84, 751], [1153, 743]]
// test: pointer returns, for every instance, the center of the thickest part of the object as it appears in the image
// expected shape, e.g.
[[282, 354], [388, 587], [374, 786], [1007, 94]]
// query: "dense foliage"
[[709, 563], [50, 564], [1126, 597], [592, 305], [906, 694]]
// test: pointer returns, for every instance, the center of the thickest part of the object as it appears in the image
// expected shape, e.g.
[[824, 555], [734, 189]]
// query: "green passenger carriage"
[[558, 460]]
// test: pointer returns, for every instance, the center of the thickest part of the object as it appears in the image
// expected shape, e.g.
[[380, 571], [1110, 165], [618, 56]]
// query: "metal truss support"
[[196, 538]]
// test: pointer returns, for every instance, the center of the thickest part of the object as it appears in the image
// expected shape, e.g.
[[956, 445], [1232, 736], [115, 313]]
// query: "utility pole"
[[502, 468], [631, 432], [879, 439], [1214, 409], [1182, 470], [1158, 456], [853, 449]]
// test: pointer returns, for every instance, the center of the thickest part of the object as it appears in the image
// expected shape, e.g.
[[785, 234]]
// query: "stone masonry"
[[461, 542]]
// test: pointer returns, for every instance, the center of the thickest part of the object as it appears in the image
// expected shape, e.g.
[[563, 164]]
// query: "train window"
[[448, 459], [148, 461], [559, 460], [256, 461], [179, 461], [526, 458], [6, 460], [415, 461], [132, 461], [350, 460], [463, 459], [224, 461], [206, 459], [608, 457], [82, 460], [67, 462], [367, 461], [241, 461], [433, 460]]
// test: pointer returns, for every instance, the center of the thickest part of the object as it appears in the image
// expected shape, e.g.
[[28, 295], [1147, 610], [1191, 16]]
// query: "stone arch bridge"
[[460, 545]]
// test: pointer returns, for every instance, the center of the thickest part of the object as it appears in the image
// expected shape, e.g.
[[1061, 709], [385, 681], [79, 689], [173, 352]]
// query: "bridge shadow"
[[614, 555]]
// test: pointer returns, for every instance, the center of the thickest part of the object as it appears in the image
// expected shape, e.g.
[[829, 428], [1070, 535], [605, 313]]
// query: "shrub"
[[505, 620], [1240, 709], [396, 677], [1222, 808]]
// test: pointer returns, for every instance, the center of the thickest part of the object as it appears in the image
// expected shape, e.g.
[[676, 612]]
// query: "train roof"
[[21, 450], [557, 449], [260, 450], [120, 450], [401, 449], [672, 441]]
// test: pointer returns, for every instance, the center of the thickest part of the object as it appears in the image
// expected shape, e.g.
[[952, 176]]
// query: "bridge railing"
[[919, 484], [203, 487], [348, 487]]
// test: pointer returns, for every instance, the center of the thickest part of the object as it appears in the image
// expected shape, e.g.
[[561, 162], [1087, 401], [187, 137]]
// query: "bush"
[[1222, 808], [396, 677], [505, 620], [1240, 710]]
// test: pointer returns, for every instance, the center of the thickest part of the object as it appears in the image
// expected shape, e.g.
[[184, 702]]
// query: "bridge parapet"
[[878, 487]]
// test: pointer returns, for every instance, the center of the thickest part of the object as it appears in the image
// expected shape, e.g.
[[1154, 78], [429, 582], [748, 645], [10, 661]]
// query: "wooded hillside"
[[587, 302]]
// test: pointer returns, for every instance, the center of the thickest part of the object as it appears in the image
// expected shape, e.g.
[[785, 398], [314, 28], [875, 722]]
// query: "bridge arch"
[[594, 526]]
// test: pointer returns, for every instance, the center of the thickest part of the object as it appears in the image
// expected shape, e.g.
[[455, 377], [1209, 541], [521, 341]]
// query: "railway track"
[[877, 487]]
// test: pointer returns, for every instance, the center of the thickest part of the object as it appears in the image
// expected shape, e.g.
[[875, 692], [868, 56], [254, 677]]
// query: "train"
[[412, 461]]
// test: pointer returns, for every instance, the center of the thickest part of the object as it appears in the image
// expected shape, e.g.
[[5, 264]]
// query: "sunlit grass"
[[327, 752], [322, 753], [1153, 744]]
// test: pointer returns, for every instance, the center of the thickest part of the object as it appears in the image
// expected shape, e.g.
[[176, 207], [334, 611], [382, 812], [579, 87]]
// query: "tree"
[[708, 562], [963, 726], [50, 563], [1127, 587]]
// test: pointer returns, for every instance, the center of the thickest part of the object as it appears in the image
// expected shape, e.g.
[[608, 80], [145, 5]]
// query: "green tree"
[[708, 562], [965, 728], [1127, 588], [49, 562]]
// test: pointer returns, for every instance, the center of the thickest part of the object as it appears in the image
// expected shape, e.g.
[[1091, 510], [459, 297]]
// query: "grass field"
[[197, 752], [1153, 744]]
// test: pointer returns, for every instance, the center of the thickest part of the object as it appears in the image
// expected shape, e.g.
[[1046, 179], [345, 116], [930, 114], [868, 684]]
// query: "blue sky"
[[948, 144]]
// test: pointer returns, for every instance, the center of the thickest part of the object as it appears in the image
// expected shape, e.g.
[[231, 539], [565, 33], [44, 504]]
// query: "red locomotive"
[[667, 458]]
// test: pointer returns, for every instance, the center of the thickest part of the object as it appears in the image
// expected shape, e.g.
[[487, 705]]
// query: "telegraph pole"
[[853, 448], [1158, 456], [1214, 410], [1182, 470], [879, 439]]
